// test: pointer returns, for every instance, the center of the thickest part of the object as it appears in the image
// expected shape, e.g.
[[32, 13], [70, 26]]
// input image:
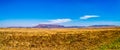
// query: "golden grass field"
[[59, 38]]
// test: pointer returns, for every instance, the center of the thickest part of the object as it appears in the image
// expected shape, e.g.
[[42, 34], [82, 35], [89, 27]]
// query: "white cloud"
[[89, 16], [57, 21]]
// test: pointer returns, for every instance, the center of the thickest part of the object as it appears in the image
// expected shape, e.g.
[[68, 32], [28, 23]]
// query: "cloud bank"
[[57, 21], [89, 16]]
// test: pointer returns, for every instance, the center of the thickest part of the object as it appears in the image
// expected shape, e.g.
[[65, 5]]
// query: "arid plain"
[[59, 38]]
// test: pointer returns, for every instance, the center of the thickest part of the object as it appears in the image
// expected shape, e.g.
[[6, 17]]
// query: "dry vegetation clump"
[[57, 39]]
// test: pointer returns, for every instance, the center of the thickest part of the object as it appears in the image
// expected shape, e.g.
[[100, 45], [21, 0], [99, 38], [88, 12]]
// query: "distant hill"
[[62, 26], [75, 26], [103, 26], [18, 27], [48, 26]]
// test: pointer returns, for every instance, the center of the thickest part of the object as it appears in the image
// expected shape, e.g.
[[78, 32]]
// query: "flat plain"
[[59, 38]]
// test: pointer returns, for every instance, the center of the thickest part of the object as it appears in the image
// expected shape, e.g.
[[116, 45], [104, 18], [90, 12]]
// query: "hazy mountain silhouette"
[[62, 26], [48, 26], [103, 26]]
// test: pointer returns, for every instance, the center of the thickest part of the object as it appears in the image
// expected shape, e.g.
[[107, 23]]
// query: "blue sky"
[[64, 12]]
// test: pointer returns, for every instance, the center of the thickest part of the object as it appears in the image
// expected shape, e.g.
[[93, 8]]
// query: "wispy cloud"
[[57, 21], [89, 16]]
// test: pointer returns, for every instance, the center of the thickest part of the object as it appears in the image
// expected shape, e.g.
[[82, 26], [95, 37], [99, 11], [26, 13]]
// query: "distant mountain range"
[[48, 26], [103, 26], [62, 26]]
